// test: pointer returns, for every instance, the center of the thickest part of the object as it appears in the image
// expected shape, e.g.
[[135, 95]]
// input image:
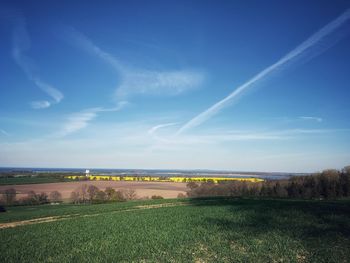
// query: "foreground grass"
[[214, 230]]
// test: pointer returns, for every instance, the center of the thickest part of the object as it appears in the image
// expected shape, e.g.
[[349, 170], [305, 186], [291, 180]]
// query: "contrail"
[[78, 39], [313, 46], [136, 82], [21, 44]]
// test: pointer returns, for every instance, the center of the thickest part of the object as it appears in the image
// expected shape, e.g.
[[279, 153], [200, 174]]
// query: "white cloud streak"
[[242, 135], [310, 118], [169, 83], [80, 120], [152, 130], [49, 89], [80, 40], [42, 104], [139, 81], [21, 44], [313, 46], [3, 132]]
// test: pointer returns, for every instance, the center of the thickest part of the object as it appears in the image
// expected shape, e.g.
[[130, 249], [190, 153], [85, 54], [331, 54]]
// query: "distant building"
[[87, 173]]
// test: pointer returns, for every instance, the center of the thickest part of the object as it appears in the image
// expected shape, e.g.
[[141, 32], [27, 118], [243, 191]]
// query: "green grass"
[[17, 213], [31, 180], [214, 230]]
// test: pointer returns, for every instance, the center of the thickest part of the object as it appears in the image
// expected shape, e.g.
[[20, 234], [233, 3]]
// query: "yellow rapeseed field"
[[176, 179]]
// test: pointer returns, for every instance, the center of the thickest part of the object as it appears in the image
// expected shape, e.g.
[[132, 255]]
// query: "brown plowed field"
[[143, 189]]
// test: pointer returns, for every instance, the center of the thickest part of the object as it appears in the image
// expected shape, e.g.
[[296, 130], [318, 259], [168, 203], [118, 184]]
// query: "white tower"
[[87, 172]]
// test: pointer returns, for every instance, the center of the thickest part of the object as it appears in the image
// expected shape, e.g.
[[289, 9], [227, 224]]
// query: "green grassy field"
[[206, 230], [31, 180]]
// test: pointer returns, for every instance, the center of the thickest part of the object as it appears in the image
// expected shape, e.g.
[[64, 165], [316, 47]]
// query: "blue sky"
[[231, 85]]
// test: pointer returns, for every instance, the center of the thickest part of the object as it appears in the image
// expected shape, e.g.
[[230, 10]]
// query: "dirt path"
[[65, 217]]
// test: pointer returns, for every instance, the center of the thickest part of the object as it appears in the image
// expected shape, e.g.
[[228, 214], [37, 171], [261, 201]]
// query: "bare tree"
[[74, 197], [110, 193], [119, 196], [92, 192], [43, 198], [130, 194], [37, 199], [101, 196], [32, 197], [181, 195], [346, 170], [9, 196], [55, 196], [82, 193]]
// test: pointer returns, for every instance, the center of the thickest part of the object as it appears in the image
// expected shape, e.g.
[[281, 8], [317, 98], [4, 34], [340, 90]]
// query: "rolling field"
[[164, 189], [182, 230], [31, 180]]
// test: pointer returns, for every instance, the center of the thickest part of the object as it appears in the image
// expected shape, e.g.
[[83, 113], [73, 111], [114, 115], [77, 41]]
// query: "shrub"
[[119, 196], [181, 195], [100, 196], [157, 197], [34, 199]]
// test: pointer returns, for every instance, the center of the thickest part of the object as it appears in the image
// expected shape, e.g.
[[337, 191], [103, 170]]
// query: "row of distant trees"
[[32, 198], [329, 184], [82, 195], [92, 194]]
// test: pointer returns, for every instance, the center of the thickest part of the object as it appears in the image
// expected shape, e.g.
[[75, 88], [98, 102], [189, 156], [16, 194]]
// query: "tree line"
[[84, 194], [92, 194], [32, 198], [329, 184]]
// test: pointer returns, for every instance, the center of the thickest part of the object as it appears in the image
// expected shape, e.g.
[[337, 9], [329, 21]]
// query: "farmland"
[[177, 179], [31, 180], [181, 230], [164, 189]]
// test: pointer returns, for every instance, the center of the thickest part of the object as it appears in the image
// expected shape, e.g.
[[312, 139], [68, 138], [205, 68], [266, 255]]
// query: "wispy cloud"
[[215, 138], [139, 81], [152, 130], [169, 83], [249, 135], [221, 137], [3, 132], [20, 45], [49, 89], [298, 119], [313, 46], [81, 41], [42, 104], [136, 148], [80, 120], [311, 118]]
